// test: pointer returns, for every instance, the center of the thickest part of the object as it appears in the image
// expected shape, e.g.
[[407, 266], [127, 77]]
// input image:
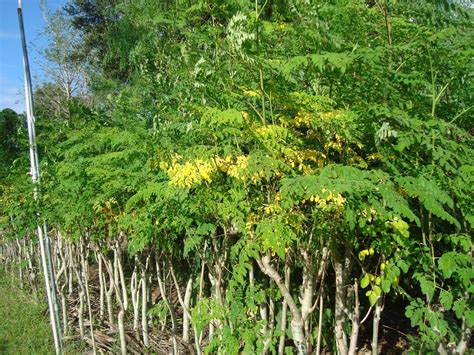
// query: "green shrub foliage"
[[303, 163]]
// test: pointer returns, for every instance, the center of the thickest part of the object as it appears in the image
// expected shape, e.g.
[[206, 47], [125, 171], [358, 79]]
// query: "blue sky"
[[11, 65]]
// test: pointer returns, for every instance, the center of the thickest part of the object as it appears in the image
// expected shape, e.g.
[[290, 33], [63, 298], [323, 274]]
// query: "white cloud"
[[9, 35]]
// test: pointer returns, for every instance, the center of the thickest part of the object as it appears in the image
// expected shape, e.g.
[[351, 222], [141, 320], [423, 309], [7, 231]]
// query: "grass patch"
[[24, 322]]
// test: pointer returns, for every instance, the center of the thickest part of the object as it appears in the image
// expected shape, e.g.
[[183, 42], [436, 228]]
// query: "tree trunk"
[[187, 303], [375, 325], [284, 308], [144, 284], [174, 325], [355, 320], [297, 324], [340, 308]]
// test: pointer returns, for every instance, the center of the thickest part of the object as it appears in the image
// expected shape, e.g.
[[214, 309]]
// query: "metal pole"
[[48, 271]]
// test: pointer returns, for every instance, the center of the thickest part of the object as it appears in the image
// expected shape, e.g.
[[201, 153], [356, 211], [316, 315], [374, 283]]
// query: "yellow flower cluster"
[[303, 118], [266, 131], [272, 208], [223, 164], [249, 225], [300, 159], [330, 201], [337, 145], [196, 171], [296, 160], [245, 116], [238, 169], [189, 173], [257, 176], [251, 93]]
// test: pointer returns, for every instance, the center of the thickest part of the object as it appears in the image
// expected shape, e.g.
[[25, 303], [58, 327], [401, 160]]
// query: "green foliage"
[[225, 131]]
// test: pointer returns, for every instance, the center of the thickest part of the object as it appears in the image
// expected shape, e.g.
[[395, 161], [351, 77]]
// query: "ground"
[[24, 325]]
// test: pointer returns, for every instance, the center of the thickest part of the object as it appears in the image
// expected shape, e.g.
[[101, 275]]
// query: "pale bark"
[[187, 303], [135, 297], [320, 322], [270, 327], [19, 262], [80, 312], [114, 287], [375, 325], [121, 326], [85, 273], [121, 275], [144, 284], [284, 308], [61, 288], [340, 305], [355, 320], [297, 324], [171, 310], [109, 294], [101, 285]]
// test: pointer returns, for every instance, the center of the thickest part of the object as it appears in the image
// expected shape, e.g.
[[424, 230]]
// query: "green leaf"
[[364, 282], [427, 286], [446, 299], [459, 307], [372, 297], [191, 243], [377, 290], [447, 264], [469, 318], [386, 285], [415, 311], [402, 265]]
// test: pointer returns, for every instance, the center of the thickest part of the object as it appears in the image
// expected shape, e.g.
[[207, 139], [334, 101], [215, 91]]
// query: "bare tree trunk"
[[85, 272], [121, 326], [19, 262], [121, 275], [465, 335], [340, 304], [187, 303], [355, 320], [81, 300], [135, 296], [144, 284], [270, 326], [297, 324], [174, 326], [101, 285], [307, 292], [375, 325], [284, 308], [320, 322], [114, 287], [109, 294], [61, 288]]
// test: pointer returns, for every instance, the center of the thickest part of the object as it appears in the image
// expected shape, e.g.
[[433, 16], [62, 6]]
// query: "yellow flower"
[[189, 173], [303, 118], [251, 93], [238, 169]]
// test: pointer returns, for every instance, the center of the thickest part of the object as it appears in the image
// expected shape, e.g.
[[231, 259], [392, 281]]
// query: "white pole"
[[35, 174]]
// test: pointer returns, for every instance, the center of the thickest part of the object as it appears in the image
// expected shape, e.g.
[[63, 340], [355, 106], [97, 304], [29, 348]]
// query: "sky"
[[11, 62]]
